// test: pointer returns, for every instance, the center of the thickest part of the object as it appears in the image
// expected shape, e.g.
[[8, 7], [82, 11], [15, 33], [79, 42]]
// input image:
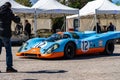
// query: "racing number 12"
[[85, 46]]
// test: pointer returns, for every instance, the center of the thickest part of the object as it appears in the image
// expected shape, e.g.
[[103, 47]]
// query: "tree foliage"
[[77, 3], [24, 2]]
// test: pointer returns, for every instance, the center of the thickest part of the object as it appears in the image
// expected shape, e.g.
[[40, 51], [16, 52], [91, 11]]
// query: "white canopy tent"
[[52, 9], [108, 7], [97, 7], [18, 8]]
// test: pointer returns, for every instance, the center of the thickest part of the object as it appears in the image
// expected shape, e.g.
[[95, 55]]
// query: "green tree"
[[74, 3], [57, 23], [24, 2]]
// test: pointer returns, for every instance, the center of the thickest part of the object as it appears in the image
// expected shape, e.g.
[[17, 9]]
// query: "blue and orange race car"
[[69, 44]]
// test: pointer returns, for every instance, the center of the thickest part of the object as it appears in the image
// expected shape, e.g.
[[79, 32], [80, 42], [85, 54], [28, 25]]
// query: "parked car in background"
[[18, 40], [44, 32]]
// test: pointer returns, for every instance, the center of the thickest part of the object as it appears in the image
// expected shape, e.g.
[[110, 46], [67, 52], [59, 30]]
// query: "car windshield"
[[56, 37]]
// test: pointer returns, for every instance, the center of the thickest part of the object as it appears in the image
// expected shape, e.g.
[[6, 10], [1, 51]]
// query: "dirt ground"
[[92, 67]]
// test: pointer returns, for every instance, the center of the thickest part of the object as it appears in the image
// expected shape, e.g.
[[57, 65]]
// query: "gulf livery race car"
[[69, 44]]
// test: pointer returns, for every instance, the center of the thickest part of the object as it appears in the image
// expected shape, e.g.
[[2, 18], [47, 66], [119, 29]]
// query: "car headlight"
[[51, 49], [23, 47]]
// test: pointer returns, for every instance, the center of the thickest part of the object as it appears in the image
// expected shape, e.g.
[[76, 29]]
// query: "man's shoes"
[[0, 71], [11, 70]]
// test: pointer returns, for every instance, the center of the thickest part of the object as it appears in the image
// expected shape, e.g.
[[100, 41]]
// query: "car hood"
[[38, 43]]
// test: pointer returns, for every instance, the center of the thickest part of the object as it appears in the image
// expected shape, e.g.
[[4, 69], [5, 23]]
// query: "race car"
[[69, 44]]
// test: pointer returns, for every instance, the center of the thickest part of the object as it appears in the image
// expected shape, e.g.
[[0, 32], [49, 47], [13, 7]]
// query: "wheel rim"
[[70, 51]]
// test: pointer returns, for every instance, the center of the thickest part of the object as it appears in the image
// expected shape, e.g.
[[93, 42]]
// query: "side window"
[[75, 36], [66, 36]]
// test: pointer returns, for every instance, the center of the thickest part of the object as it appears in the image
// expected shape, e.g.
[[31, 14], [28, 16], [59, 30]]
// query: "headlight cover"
[[23, 47], [51, 49]]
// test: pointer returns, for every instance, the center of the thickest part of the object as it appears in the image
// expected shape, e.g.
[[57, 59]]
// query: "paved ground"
[[92, 67]]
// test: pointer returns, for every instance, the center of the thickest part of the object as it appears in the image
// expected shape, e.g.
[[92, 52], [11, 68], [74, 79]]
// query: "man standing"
[[6, 17], [28, 28], [111, 27], [98, 28]]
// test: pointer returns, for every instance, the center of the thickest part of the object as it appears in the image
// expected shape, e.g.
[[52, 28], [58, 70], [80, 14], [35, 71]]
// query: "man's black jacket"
[[6, 17]]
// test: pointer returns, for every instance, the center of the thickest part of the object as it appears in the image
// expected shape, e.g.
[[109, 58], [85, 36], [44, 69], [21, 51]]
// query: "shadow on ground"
[[42, 71], [47, 71]]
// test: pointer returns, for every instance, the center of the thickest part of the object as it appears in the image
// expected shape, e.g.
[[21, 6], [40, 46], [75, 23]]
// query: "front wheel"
[[69, 51]]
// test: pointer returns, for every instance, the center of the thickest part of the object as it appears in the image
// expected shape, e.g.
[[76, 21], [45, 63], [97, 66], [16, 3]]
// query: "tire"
[[69, 51], [109, 47]]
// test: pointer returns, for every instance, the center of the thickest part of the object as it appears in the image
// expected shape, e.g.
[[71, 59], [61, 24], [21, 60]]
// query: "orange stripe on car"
[[59, 32], [52, 55], [31, 51], [90, 51]]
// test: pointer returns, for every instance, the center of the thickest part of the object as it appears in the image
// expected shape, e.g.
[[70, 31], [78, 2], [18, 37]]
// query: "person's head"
[[26, 21], [110, 23], [8, 4], [98, 23]]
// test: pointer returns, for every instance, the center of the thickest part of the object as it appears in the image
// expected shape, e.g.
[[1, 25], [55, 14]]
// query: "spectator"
[[19, 28], [6, 17], [98, 28], [111, 27], [27, 28]]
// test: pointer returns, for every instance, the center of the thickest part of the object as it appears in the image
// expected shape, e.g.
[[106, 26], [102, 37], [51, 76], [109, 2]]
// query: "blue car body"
[[69, 44]]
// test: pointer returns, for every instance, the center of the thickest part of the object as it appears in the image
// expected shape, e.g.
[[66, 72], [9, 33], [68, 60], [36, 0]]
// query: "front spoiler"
[[35, 52]]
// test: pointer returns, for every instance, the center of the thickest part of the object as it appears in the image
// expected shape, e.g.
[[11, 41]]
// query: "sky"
[[33, 1], [116, 1]]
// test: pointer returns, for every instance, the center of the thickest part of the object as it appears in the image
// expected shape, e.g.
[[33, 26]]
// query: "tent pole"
[[78, 20], [65, 28], [96, 19], [35, 23], [66, 25]]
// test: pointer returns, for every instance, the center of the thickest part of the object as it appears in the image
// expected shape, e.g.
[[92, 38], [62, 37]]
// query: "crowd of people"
[[99, 29]]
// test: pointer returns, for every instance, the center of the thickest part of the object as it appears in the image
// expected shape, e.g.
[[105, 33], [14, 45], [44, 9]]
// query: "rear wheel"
[[109, 47], [69, 51]]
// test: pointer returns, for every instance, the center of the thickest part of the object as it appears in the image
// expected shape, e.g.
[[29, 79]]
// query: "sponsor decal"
[[100, 43], [40, 45]]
